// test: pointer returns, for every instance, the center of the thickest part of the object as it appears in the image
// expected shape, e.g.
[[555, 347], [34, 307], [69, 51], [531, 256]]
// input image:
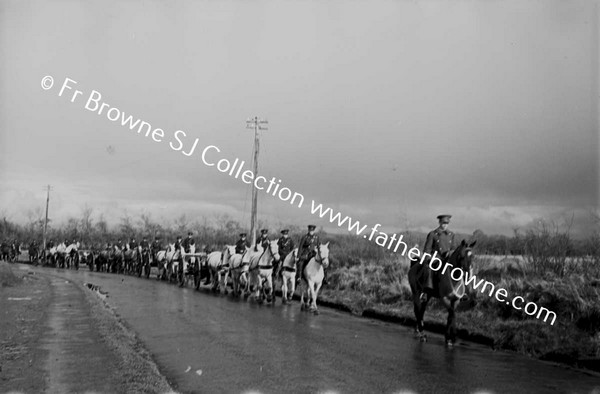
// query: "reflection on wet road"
[[209, 343]]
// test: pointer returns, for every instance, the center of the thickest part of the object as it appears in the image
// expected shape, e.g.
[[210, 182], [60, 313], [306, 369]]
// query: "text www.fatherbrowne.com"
[[178, 142]]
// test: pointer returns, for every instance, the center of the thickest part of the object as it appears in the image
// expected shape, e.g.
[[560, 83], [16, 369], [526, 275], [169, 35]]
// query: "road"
[[207, 343]]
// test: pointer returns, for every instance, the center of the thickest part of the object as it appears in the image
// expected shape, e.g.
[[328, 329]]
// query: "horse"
[[60, 255], [314, 274], [103, 260], [238, 269], [87, 258], [288, 276], [446, 288], [144, 266], [5, 251], [131, 259], [261, 271], [214, 262], [72, 256], [184, 266], [34, 252], [165, 260], [225, 268]]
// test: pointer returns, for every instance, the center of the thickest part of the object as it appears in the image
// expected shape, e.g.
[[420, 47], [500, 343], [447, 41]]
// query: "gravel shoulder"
[[57, 336]]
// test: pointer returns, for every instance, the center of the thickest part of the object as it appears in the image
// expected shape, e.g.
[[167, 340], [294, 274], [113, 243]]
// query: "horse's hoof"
[[302, 307], [315, 312], [423, 338], [449, 343]]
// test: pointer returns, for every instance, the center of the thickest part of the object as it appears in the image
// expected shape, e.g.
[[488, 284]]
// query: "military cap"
[[190, 233], [179, 237], [285, 231], [444, 218], [242, 234], [264, 231], [311, 227]]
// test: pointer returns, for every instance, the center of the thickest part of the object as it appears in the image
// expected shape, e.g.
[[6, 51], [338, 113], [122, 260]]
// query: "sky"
[[390, 112]]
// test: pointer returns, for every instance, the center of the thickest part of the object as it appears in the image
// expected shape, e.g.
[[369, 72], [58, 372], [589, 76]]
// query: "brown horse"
[[448, 289]]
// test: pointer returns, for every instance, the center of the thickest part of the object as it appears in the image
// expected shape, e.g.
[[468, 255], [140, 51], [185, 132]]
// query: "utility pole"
[[256, 124], [46, 220]]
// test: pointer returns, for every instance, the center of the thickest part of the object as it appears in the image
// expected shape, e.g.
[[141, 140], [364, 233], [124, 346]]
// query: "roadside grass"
[[7, 277], [382, 285]]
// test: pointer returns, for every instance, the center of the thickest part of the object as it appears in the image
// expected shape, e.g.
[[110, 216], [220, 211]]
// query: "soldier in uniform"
[[241, 244], [119, 245], [306, 251], [263, 240], [188, 242], [155, 248], [440, 240], [178, 243], [144, 244], [286, 245], [133, 244]]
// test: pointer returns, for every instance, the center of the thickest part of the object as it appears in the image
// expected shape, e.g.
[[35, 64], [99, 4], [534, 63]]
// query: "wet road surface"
[[206, 343]]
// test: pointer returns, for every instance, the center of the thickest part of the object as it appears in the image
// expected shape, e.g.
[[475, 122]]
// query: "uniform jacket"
[[439, 241]]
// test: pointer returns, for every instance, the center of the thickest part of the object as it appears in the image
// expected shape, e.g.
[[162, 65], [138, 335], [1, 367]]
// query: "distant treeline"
[[546, 238]]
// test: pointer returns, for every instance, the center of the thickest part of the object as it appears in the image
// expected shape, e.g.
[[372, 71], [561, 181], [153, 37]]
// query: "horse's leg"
[[316, 294], [450, 335], [271, 282], [420, 308], [284, 289]]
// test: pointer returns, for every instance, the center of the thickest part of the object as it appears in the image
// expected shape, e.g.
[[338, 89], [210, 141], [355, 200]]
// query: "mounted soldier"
[[439, 242], [307, 249], [188, 242], [242, 244], [286, 245], [263, 240], [144, 244], [178, 244]]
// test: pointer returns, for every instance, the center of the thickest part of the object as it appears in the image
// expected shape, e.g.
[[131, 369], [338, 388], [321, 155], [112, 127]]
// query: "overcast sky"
[[390, 111]]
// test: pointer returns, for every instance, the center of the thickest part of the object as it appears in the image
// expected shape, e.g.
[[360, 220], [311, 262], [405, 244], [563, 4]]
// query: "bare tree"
[[86, 223]]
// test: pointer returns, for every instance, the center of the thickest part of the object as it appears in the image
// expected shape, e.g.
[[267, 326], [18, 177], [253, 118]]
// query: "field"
[[380, 286]]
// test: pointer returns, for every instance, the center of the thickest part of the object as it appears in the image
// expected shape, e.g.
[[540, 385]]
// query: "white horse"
[[165, 260], [182, 264], [314, 274], [225, 269], [288, 275], [72, 255], [261, 271], [238, 269], [214, 262], [61, 255]]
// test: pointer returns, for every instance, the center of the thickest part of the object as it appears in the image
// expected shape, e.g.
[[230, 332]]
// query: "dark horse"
[[447, 289]]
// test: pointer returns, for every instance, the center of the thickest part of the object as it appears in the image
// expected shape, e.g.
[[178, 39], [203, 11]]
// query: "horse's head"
[[323, 254], [462, 256], [274, 250], [229, 250]]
